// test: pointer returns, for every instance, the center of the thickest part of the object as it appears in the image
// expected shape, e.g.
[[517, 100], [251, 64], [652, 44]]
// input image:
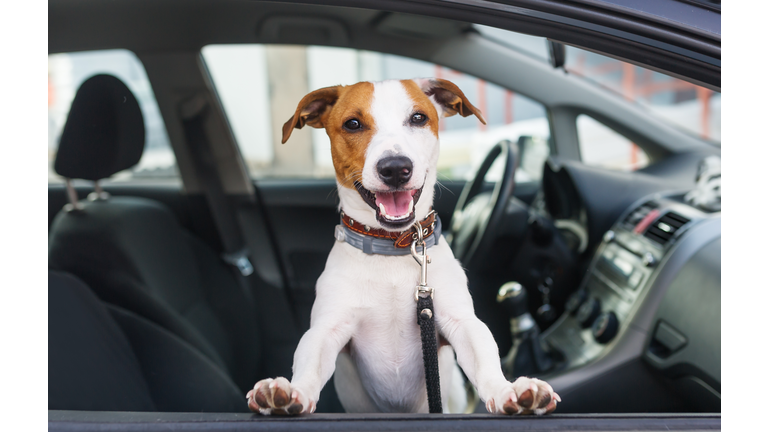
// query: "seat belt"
[[235, 251], [274, 307]]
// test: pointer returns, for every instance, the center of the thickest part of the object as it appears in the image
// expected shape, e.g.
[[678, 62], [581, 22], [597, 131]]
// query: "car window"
[[65, 74], [693, 109], [602, 146], [689, 107], [260, 85]]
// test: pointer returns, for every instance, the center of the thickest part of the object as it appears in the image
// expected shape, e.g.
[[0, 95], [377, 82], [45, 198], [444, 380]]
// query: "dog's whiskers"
[[441, 187], [356, 175]]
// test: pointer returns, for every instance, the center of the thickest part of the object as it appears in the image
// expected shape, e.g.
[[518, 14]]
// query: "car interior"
[[183, 293]]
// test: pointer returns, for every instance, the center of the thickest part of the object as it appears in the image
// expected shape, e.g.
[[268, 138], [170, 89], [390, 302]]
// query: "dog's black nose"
[[395, 170]]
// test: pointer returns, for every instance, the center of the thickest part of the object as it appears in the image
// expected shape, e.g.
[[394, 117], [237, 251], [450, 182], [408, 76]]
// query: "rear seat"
[[105, 358], [132, 251], [135, 255]]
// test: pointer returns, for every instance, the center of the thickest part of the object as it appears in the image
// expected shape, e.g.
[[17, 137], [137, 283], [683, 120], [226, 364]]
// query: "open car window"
[[260, 85], [686, 106], [601, 146]]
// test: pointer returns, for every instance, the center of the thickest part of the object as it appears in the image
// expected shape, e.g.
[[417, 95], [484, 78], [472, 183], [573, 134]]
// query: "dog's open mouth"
[[394, 209]]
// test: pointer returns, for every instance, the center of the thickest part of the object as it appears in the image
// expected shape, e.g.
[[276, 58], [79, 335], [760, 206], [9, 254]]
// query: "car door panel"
[[302, 215]]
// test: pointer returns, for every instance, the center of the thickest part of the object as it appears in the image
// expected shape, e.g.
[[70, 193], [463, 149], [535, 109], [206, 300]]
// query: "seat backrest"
[[88, 355], [105, 358], [133, 252]]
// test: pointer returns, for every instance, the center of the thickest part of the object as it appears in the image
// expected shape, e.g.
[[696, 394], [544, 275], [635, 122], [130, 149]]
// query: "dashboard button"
[[649, 260], [635, 279], [588, 312], [605, 327]]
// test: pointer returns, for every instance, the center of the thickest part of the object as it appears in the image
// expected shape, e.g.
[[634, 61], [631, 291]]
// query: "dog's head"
[[384, 144]]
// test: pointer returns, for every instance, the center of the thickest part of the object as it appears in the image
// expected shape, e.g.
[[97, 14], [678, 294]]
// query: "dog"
[[384, 146]]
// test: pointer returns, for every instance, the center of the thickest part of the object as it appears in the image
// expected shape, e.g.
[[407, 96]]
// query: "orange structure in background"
[[508, 113], [628, 88], [704, 94], [481, 102]]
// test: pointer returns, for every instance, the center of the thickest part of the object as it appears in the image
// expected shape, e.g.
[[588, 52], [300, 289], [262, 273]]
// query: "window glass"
[[534, 46], [260, 86], [689, 107], [65, 74], [602, 146]]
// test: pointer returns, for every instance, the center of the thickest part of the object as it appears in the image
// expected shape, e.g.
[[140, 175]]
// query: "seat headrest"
[[104, 133]]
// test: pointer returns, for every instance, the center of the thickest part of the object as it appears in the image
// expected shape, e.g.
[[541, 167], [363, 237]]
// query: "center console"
[[621, 274]]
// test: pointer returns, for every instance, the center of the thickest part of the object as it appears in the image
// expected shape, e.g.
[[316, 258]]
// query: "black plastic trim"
[[662, 48], [657, 45], [695, 20], [122, 421], [611, 23]]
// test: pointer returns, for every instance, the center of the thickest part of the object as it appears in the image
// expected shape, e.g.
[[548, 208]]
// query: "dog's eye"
[[353, 124], [418, 119]]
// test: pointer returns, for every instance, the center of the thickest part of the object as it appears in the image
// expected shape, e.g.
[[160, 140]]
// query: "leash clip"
[[422, 290]]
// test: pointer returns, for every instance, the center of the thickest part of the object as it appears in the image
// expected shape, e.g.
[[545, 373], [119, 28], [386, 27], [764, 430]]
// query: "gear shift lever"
[[527, 356], [514, 299]]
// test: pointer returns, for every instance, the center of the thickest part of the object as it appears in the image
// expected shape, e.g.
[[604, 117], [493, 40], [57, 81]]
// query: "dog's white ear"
[[311, 110], [448, 97]]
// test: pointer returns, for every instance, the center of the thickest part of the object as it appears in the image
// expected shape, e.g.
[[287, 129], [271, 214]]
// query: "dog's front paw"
[[277, 396], [524, 396]]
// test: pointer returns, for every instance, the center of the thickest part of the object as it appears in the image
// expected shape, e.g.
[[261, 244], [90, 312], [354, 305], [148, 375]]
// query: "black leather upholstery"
[[104, 133], [91, 365], [134, 254], [103, 357]]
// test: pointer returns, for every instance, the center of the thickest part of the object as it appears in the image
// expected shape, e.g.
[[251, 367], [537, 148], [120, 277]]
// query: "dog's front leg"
[[478, 355], [313, 364]]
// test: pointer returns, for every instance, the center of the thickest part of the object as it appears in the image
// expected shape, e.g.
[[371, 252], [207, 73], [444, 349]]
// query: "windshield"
[[686, 106]]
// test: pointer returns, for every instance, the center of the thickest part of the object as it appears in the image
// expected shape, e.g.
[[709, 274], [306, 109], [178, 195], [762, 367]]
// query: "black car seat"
[[105, 358], [132, 251]]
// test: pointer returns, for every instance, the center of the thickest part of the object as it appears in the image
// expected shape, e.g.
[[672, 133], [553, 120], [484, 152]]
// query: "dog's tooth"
[[383, 209], [410, 207]]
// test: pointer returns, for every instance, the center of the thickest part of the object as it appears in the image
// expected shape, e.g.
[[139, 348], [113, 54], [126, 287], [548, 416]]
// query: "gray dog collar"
[[372, 245]]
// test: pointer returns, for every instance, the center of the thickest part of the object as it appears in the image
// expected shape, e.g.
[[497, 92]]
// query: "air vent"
[[665, 227], [639, 213]]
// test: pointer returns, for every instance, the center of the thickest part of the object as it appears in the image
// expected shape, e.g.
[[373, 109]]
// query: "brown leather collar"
[[401, 239]]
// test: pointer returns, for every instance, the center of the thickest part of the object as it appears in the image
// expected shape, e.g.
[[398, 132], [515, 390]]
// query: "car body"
[[664, 357]]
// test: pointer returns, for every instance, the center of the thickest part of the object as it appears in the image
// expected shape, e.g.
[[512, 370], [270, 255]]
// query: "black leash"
[[426, 321], [426, 318]]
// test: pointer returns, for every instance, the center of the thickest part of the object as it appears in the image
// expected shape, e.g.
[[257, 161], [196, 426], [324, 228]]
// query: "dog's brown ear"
[[449, 97], [311, 110]]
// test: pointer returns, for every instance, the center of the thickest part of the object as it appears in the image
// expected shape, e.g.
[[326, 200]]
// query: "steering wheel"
[[477, 217]]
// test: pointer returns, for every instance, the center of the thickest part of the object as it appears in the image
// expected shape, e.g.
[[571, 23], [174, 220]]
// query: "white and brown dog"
[[384, 143]]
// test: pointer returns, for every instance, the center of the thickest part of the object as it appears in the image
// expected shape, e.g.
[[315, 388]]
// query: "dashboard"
[[652, 293], [647, 313]]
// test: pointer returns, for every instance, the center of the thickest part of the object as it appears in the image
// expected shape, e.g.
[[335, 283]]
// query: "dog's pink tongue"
[[395, 203]]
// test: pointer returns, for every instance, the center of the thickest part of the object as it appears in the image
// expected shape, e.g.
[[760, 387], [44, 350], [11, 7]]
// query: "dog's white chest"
[[386, 345]]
